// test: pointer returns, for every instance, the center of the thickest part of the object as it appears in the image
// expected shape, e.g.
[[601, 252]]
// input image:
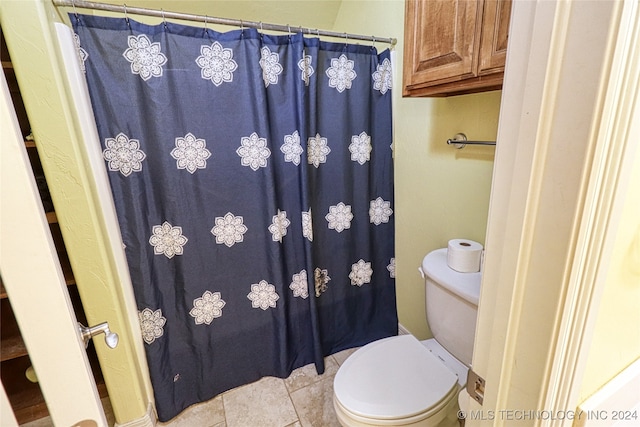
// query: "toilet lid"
[[392, 378]]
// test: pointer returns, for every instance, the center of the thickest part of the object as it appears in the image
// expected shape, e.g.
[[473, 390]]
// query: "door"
[[563, 160], [36, 287]]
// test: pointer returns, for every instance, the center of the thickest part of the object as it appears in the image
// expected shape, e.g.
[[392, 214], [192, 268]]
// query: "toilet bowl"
[[398, 381], [401, 381]]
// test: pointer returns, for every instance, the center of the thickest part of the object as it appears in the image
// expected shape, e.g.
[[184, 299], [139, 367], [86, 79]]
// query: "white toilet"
[[400, 381]]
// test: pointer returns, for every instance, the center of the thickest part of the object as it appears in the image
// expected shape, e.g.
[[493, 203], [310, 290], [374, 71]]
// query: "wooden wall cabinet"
[[453, 47]]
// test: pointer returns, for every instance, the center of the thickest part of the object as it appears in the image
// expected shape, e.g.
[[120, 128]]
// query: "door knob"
[[110, 338]]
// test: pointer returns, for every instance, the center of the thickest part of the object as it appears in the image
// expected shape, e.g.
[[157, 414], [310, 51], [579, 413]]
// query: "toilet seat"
[[395, 378]]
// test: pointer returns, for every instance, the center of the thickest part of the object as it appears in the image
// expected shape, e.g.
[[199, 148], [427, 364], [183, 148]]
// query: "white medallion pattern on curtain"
[[339, 217], [299, 285], [167, 240], [191, 153], [317, 150], [341, 73], [321, 278], [229, 229], [392, 268], [216, 63], [382, 78], [361, 273], [278, 227], [253, 151], [360, 148], [151, 324], [145, 57], [307, 225], [379, 211], [292, 149], [306, 68], [123, 154], [207, 308], [82, 54], [263, 295], [270, 64]]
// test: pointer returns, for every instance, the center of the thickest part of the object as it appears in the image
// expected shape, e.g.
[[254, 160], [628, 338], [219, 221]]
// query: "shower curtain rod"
[[164, 14]]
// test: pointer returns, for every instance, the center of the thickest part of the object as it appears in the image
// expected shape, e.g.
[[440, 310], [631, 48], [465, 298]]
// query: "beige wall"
[[441, 192]]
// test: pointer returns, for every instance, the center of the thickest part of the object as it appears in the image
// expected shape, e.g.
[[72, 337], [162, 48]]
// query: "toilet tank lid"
[[465, 285]]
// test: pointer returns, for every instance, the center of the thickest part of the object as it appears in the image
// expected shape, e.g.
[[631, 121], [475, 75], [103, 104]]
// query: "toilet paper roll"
[[464, 255]]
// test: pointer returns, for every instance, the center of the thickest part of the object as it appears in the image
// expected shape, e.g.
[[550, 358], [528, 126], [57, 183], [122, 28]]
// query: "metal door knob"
[[110, 338]]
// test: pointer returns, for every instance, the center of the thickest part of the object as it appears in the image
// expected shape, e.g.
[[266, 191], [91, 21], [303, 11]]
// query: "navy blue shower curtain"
[[253, 182]]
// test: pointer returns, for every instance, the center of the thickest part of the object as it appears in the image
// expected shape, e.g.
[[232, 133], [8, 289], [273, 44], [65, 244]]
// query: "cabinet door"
[[439, 41], [495, 34]]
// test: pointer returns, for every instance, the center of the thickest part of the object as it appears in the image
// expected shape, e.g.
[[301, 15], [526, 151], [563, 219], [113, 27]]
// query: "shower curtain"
[[253, 182]]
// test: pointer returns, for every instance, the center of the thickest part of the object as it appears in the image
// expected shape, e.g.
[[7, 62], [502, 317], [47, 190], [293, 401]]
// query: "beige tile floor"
[[302, 400]]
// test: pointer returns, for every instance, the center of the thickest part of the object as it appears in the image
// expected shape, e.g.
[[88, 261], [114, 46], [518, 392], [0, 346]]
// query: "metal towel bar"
[[460, 141]]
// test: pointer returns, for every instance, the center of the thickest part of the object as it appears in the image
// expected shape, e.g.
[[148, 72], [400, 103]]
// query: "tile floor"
[[302, 400]]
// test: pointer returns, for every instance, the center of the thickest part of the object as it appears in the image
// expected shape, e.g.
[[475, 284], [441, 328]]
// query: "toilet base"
[[446, 415]]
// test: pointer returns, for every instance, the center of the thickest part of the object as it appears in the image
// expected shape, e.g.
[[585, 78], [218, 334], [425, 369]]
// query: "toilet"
[[400, 381]]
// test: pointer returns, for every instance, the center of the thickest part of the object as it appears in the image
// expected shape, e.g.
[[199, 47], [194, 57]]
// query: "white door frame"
[[564, 153], [36, 287]]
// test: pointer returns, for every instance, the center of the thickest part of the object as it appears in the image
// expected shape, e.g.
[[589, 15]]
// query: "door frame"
[[34, 281], [564, 157]]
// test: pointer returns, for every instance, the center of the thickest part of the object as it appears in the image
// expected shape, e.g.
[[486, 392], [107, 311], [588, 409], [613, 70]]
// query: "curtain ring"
[[126, 18]]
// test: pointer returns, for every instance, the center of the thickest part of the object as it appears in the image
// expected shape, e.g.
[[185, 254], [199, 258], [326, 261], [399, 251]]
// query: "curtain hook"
[[242, 27], [289, 28], [126, 17], [75, 12], [346, 41], [318, 32], [164, 19], [373, 45]]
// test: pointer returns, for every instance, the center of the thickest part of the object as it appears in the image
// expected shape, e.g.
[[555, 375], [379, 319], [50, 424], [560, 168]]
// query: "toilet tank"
[[451, 304]]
